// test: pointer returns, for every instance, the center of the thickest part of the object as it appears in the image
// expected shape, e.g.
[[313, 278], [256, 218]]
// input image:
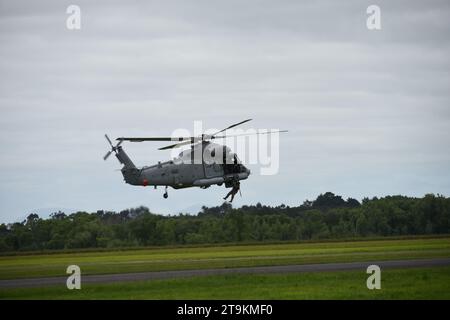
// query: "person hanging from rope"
[[234, 190]]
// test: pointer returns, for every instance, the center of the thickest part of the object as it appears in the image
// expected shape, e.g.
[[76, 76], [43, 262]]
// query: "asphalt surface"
[[143, 276]]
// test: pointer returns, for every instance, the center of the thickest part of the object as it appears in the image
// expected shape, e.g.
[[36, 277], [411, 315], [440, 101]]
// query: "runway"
[[145, 276]]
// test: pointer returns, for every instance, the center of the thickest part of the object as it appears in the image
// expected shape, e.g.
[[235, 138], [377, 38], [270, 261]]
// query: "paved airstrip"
[[144, 276]]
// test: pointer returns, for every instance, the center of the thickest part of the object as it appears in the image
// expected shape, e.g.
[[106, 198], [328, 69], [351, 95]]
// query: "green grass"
[[157, 259], [414, 283]]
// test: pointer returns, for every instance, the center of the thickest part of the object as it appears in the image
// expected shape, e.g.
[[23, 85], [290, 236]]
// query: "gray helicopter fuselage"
[[185, 172]]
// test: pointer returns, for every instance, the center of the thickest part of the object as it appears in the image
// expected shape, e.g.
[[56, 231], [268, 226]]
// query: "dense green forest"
[[327, 217]]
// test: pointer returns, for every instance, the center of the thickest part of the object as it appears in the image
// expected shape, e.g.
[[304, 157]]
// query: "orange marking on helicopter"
[[145, 182]]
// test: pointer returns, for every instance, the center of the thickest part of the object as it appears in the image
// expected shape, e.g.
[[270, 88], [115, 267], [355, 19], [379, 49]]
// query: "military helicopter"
[[204, 164]]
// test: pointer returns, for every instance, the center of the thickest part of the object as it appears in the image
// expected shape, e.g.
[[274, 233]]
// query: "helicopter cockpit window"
[[236, 159], [233, 164]]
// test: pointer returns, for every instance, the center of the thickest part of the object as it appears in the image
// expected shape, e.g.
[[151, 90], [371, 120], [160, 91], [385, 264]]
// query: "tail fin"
[[124, 159], [120, 154], [130, 173]]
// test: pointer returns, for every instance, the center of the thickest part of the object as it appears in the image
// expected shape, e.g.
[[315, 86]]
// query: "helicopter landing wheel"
[[165, 195]]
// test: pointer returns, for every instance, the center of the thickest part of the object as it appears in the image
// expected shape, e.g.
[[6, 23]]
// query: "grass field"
[[420, 283], [44, 265]]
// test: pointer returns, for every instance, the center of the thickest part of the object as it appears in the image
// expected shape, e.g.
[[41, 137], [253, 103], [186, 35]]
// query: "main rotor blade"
[[232, 126], [248, 134], [176, 145], [139, 139]]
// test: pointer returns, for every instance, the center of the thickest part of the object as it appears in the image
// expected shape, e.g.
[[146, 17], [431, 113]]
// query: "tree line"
[[329, 216]]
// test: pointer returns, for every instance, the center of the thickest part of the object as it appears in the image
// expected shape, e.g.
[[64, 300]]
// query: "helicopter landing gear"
[[165, 195]]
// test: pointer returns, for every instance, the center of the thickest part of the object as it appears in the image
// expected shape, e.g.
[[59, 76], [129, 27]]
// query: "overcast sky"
[[368, 111]]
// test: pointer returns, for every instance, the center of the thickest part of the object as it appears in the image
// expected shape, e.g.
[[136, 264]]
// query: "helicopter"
[[202, 165]]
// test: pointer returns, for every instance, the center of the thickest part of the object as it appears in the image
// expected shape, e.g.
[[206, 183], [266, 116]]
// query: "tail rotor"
[[113, 148]]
